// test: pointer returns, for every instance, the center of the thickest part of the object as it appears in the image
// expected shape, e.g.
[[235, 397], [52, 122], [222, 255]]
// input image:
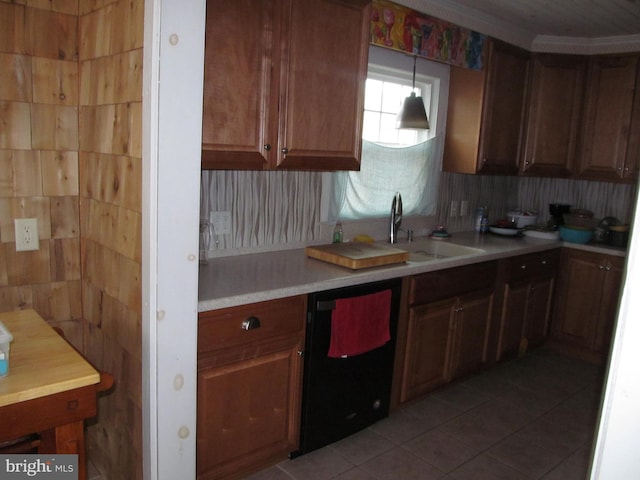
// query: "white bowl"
[[508, 232]]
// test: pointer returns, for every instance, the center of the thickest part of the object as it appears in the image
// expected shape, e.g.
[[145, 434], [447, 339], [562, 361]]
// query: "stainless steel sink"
[[430, 250]]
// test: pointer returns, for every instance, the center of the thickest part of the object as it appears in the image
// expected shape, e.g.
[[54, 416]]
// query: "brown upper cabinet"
[[486, 113], [552, 115], [284, 84], [611, 127], [553, 120]]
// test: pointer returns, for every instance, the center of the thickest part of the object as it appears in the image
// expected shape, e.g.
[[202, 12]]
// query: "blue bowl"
[[576, 234]]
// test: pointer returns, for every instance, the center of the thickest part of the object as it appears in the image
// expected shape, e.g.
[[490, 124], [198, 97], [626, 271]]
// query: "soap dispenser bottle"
[[337, 233]]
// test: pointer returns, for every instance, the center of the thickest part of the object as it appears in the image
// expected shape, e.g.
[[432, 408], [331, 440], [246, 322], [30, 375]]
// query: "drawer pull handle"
[[251, 323]]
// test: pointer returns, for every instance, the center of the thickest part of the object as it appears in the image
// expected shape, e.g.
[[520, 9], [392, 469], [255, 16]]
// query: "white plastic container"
[[522, 219], [5, 345]]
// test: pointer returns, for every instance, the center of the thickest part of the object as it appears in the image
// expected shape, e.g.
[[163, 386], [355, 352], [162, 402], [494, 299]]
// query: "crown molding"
[[586, 46], [475, 20]]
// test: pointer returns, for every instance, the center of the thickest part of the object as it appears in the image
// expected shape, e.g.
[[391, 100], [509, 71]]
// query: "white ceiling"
[[571, 26]]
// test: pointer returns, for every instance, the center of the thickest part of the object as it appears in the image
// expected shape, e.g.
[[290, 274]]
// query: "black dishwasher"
[[346, 394]]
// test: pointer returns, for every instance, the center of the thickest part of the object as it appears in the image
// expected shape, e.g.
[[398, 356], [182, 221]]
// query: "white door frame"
[[172, 129]]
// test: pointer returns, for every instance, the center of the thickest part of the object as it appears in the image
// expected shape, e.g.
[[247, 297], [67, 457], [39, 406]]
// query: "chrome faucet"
[[396, 218]]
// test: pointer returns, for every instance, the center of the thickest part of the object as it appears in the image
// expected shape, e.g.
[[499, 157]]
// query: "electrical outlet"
[[26, 230], [221, 222], [464, 208], [453, 211]]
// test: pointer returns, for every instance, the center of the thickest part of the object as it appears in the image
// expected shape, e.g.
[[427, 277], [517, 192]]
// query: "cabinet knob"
[[601, 267], [251, 323], [607, 268], [544, 262], [267, 147], [523, 267], [300, 353], [285, 150]]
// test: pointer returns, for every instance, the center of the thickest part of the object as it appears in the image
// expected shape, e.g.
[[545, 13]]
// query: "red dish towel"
[[360, 324]]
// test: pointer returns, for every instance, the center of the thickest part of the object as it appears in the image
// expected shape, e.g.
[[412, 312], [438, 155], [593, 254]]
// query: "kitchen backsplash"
[[274, 210]]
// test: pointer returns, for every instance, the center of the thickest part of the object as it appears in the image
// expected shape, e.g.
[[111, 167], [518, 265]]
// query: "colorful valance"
[[400, 28]]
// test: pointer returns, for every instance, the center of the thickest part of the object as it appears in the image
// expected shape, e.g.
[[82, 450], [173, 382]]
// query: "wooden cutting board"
[[357, 255]]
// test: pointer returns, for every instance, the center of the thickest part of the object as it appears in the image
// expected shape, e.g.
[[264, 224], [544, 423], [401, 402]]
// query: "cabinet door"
[[579, 299], [503, 109], [512, 320], [610, 95], [429, 343], [322, 84], [247, 413], [632, 162], [239, 124], [464, 117], [587, 303], [472, 323], [539, 304], [554, 113], [613, 271]]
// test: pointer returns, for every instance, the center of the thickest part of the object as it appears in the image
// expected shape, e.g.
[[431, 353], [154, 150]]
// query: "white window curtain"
[[413, 171]]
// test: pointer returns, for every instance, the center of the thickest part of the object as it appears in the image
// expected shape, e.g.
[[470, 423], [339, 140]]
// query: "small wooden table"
[[50, 389]]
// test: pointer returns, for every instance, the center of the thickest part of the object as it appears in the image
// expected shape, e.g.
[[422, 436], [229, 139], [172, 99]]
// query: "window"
[[383, 97], [393, 160]]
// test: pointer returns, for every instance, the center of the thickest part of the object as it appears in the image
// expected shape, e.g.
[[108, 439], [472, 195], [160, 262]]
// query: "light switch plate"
[[453, 210], [464, 208], [26, 231]]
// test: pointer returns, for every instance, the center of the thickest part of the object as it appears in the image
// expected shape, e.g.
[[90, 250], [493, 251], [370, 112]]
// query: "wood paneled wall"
[[110, 169], [39, 176], [70, 155]]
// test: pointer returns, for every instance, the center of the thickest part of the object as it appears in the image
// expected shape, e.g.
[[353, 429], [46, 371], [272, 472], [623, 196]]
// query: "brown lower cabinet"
[[527, 294], [446, 327], [249, 386], [452, 323], [589, 287]]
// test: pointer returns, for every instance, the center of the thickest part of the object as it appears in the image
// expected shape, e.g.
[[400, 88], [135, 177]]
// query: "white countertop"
[[236, 280]]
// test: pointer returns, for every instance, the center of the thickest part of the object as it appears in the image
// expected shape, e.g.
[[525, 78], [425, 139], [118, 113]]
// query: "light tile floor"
[[529, 418]]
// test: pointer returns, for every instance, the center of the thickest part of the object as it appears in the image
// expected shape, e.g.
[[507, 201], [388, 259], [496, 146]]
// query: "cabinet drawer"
[[450, 282], [226, 327], [541, 264]]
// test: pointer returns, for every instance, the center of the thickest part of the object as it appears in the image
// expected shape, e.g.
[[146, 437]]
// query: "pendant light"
[[412, 114]]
